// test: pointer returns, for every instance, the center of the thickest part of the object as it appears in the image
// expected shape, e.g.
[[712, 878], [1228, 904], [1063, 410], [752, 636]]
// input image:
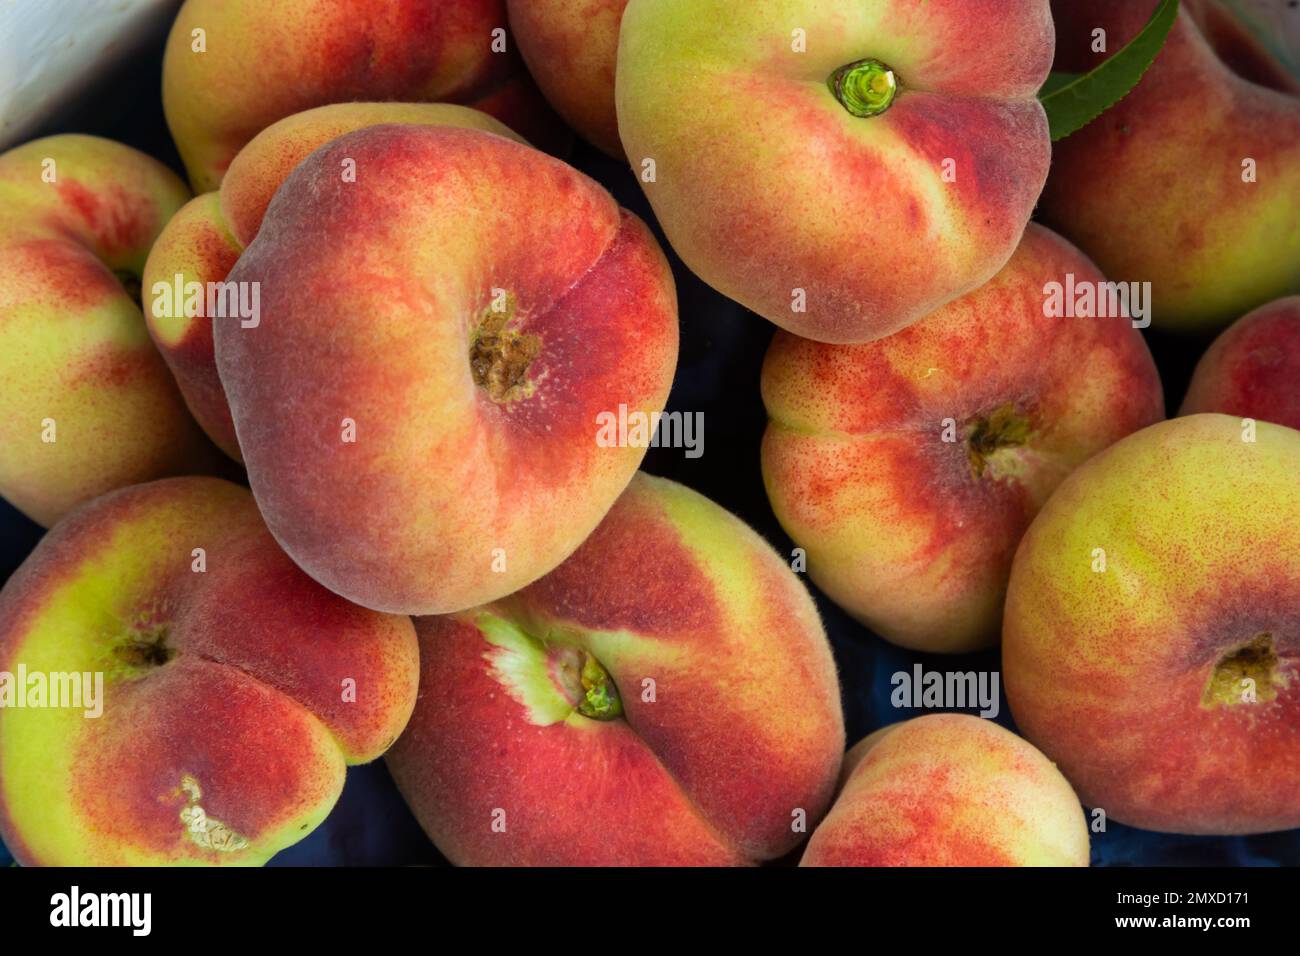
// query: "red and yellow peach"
[[841, 169], [666, 696], [1192, 181], [1253, 369], [234, 689], [234, 67], [417, 408], [88, 405], [571, 47], [909, 468], [1151, 645], [202, 242], [950, 790]]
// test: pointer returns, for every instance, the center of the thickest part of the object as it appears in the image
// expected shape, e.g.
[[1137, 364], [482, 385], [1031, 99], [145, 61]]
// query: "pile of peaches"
[[317, 443]]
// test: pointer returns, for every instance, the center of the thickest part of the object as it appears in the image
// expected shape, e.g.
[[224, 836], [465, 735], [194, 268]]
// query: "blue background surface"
[[718, 374]]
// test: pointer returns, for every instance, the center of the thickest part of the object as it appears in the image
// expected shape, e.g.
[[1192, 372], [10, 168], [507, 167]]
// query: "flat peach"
[[418, 406], [666, 696], [260, 62], [233, 690], [950, 790], [88, 405], [909, 468]]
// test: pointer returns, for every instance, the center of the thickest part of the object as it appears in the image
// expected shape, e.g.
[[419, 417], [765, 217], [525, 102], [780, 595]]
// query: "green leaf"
[[1055, 81], [1072, 102]]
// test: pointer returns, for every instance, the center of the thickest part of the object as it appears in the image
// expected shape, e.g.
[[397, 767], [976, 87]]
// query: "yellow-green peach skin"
[[666, 696], [235, 690], [86, 402], [842, 169], [1152, 628]]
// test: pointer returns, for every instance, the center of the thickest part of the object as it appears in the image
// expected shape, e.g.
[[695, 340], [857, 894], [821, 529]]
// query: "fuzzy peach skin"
[[1153, 190], [86, 403], [1164, 681], [203, 241], [837, 227], [468, 307], [909, 468], [235, 689], [950, 790], [664, 697], [265, 61], [1253, 369], [571, 47]]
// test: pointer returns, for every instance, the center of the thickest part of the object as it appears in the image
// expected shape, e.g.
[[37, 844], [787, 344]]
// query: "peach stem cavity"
[[499, 356], [865, 87], [989, 434], [552, 677], [142, 651], [1247, 674]]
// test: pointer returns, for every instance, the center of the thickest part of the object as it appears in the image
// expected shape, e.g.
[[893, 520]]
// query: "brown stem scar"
[[499, 356]]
